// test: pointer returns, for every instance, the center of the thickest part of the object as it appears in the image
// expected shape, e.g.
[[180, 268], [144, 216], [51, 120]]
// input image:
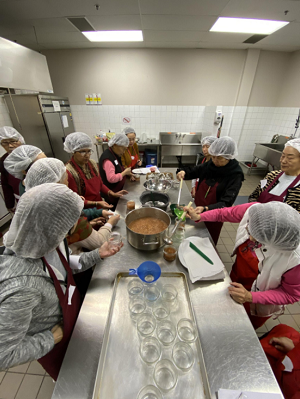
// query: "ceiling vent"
[[255, 38], [81, 23]]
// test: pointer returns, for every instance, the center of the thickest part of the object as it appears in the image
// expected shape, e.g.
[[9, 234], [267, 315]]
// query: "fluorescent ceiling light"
[[115, 36], [244, 25]]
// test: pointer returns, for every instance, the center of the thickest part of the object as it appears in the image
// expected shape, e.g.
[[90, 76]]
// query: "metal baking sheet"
[[121, 372]]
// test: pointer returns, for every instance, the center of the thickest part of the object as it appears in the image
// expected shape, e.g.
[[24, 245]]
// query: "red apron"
[[92, 186], [265, 196], [207, 195], [70, 309], [245, 272], [134, 158]]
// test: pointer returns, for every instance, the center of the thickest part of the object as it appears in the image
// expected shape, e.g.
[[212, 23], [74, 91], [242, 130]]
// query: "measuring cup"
[[148, 271]]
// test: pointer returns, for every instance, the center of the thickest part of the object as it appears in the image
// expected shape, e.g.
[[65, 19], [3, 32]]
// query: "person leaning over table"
[[220, 180], [52, 170], [10, 139], [20, 160], [206, 142], [266, 271], [83, 172], [131, 157], [282, 185], [39, 300], [110, 164]]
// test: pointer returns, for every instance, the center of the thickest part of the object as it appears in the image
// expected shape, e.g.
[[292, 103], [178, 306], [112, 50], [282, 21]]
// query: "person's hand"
[[105, 250], [99, 222], [193, 192], [180, 175], [139, 163], [127, 171], [239, 293], [113, 220], [119, 194], [105, 214], [104, 204], [283, 344], [83, 199], [132, 178], [12, 209], [191, 213], [58, 333]]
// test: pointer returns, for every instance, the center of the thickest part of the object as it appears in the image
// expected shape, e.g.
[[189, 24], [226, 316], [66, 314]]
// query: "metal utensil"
[[179, 194], [168, 240]]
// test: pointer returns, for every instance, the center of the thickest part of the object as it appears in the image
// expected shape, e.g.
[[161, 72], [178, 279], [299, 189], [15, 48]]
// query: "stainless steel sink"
[[274, 146], [269, 152]]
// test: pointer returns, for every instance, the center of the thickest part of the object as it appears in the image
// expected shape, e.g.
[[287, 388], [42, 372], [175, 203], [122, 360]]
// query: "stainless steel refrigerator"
[[43, 120]]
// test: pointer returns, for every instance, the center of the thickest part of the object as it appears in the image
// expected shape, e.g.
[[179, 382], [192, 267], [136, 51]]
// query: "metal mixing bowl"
[[162, 186]]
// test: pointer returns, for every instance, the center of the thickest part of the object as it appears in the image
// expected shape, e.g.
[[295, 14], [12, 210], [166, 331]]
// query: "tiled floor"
[[29, 381]]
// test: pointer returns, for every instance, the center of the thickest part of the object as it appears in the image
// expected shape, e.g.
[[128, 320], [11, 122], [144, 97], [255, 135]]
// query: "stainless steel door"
[[56, 134]]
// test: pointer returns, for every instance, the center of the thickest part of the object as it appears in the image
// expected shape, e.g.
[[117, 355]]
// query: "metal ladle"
[[168, 240]]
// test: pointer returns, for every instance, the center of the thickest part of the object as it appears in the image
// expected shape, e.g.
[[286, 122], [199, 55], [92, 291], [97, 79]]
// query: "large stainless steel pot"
[[147, 242]]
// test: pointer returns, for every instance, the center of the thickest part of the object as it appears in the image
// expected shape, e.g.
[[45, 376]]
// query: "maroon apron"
[[70, 309], [265, 196], [92, 186], [207, 195]]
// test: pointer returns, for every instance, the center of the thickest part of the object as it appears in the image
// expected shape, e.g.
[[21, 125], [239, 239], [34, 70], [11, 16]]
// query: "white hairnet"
[[119, 139], [128, 130], [275, 224], [208, 140], [77, 141], [293, 143], [43, 217], [45, 170], [224, 147], [20, 159], [8, 132]]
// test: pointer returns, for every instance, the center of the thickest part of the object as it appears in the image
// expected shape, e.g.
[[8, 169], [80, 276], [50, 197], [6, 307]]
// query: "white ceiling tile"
[[224, 46], [22, 39], [171, 44], [70, 45], [67, 37], [289, 36], [28, 9], [178, 22], [180, 7], [271, 47], [172, 36], [218, 37], [115, 22]]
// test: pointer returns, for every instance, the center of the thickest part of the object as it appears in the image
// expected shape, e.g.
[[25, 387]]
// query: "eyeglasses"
[[12, 142], [87, 152]]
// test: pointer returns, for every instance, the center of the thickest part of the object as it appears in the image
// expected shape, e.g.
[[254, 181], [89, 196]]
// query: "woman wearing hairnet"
[[10, 139], [110, 164], [39, 301], [206, 142], [220, 180], [131, 157], [52, 170], [20, 160], [266, 272], [282, 185], [83, 172]]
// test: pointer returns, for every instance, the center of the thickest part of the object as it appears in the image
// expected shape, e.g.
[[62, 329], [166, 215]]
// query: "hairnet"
[[208, 140], [43, 217], [119, 139], [128, 130], [77, 141], [224, 147], [20, 159], [275, 224], [45, 170], [293, 143], [8, 132]]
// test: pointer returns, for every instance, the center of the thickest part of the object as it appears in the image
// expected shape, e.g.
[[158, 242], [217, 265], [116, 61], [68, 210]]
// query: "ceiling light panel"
[[244, 25], [115, 36]]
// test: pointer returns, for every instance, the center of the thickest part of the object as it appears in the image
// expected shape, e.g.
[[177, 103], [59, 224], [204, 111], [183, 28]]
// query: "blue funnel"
[[148, 272]]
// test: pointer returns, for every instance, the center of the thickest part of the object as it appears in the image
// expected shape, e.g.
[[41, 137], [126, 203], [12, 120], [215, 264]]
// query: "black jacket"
[[229, 177]]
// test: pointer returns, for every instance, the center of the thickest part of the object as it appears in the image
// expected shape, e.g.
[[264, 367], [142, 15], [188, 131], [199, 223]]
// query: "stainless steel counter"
[[232, 353]]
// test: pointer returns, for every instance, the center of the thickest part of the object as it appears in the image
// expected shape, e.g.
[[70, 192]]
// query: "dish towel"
[[198, 267]]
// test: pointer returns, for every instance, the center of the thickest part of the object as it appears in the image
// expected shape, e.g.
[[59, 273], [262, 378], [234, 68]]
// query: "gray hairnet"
[[128, 130], [275, 224], [43, 217], [208, 140], [8, 132], [20, 159], [119, 139], [224, 147], [45, 170], [77, 141], [293, 143]]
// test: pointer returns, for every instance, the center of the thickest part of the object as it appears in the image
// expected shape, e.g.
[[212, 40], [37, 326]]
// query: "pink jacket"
[[289, 290], [109, 168]]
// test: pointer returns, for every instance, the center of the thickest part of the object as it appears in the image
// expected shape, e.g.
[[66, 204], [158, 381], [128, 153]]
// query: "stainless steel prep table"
[[232, 353]]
